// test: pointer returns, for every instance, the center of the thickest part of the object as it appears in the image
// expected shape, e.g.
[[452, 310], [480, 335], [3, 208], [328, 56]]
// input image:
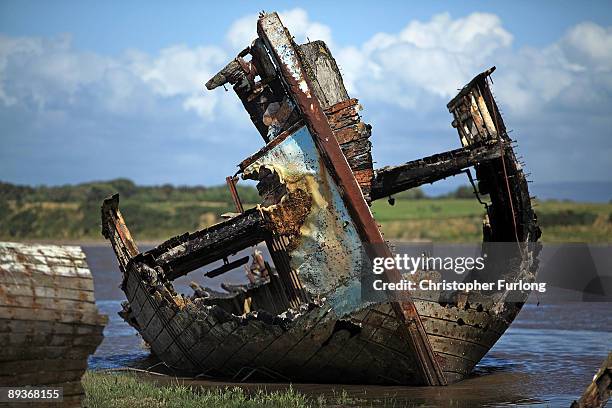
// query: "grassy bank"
[[460, 220], [130, 391], [155, 213]]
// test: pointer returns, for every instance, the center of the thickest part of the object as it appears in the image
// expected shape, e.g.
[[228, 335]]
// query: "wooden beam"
[[323, 71], [394, 179], [226, 267], [116, 231], [188, 252], [342, 112]]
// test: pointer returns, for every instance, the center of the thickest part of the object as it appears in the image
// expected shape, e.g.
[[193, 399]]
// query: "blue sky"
[[92, 91]]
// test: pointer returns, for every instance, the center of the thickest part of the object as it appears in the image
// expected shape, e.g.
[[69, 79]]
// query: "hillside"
[[155, 213], [72, 212]]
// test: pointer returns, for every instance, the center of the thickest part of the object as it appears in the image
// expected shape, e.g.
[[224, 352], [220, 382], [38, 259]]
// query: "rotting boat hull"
[[363, 347], [49, 323], [308, 322]]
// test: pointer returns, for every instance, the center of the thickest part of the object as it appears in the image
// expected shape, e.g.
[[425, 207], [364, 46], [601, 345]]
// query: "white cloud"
[[436, 56], [180, 71], [588, 46], [552, 96], [38, 69], [554, 92], [47, 72], [428, 61], [478, 33]]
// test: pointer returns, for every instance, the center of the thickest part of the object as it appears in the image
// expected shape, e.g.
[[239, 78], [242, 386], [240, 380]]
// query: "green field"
[[460, 220], [155, 213], [72, 213]]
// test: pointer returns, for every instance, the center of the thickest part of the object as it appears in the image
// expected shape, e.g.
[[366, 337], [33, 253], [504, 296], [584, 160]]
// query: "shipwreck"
[[303, 318]]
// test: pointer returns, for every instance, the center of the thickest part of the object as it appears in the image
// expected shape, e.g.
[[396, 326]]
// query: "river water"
[[546, 358]]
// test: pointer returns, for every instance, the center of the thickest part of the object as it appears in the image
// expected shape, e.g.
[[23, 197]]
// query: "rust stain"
[[290, 215]]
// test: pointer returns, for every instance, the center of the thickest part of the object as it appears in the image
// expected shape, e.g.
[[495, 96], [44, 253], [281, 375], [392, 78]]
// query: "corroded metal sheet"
[[325, 247]]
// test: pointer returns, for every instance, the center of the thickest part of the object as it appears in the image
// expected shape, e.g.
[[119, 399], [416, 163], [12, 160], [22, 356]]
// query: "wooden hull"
[[315, 175], [49, 323], [365, 347]]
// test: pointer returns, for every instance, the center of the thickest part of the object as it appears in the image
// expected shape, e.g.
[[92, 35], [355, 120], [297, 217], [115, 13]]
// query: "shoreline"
[[79, 242]]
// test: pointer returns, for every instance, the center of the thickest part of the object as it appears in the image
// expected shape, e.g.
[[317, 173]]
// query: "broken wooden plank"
[[264, 100], [321, 67], [342, 112], [192, 251], [226, 267], [115, 230], [394, 179]]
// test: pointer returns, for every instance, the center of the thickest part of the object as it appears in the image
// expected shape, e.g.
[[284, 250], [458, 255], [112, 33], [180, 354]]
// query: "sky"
[[100, 90]]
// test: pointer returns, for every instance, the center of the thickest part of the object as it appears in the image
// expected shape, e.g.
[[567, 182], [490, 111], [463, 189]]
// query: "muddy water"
[[546, 358]]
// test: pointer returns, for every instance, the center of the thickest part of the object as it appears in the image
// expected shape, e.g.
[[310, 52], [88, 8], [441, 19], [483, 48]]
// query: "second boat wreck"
[[302, 318]]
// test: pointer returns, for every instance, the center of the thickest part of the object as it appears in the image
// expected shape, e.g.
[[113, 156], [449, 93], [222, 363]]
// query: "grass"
[[129, 391], [126, 390], [460, 220], [438, 220], [442, 209], [155, 213]]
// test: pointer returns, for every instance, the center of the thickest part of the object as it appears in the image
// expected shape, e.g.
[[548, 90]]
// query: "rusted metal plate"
[[325, 247], [231, 184]]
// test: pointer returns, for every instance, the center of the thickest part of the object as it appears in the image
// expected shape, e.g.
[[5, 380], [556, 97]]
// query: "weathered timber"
[[353, 136], [115, 230], [228, 266], [49, 323], [298, 85], [304, 321], [478, 120], [202, 247], [342, 112], [266, 103], [182, 254], [321, 67], [394, 179], [599, 391]]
